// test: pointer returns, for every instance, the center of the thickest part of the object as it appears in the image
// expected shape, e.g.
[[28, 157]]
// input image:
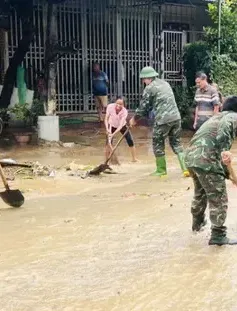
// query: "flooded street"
[[120, 242]]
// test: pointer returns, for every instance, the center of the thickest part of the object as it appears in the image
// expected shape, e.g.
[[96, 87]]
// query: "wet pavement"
[[115, 243]]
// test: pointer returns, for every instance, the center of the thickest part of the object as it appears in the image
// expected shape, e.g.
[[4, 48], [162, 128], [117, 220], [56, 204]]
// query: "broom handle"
[[4, 180], [116, 146]]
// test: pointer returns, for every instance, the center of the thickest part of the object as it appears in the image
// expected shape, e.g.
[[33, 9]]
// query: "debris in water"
[[52, 174], [68, 220], [69, 145], [128, 195], [11, 161], [78, 167], [46, 143], [145, 194], [35, 169], [78, 170], [41, 170]]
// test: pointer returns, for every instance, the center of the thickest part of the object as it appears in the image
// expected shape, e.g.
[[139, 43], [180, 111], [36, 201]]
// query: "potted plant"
[[4, 119], [37, 109], [23, 123]]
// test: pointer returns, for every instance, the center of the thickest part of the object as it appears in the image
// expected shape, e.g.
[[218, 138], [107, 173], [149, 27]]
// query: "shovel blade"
[[13, 198], [99, 169]]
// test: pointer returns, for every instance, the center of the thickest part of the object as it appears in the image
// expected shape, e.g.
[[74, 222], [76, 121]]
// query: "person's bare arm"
[[216, 109], [195, 118], [215, 101], [106, 122], [121, 125], [106, 79]]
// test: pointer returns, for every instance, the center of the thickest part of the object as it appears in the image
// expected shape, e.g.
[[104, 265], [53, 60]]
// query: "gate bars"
[[122, 35]]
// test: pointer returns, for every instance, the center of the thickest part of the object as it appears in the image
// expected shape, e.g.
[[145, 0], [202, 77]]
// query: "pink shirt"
[[114, 118]]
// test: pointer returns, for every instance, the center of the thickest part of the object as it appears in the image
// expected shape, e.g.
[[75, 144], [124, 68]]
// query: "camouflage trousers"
[[209, 188], [171, 130]]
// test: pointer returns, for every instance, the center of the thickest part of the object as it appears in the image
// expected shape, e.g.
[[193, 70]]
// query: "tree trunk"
[[17, 59], [51, 59], [2, 55]]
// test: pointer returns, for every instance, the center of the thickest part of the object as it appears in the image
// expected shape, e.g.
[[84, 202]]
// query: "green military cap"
[[148, 72]]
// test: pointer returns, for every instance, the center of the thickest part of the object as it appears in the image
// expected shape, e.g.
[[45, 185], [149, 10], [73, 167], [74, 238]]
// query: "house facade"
[[122, 35]]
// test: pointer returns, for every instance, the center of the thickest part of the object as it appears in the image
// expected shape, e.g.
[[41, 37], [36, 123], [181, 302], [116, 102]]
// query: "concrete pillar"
[[48, 128]]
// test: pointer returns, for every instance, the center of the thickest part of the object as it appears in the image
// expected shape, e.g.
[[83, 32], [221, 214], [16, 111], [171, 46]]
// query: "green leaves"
[[184, 97], [228, 39], [202, 56], [196, 57], [224, 73], [22, 112]]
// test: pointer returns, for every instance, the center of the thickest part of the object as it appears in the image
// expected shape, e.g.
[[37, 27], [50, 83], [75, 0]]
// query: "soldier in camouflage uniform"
[[206, 160], [158, 97]]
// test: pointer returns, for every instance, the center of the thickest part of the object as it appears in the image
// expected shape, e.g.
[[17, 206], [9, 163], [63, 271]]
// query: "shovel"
[[114, 159], [13, 198], [102, 167]]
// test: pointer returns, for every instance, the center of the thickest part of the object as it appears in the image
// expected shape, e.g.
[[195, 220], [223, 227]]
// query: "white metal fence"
[[122, 35]]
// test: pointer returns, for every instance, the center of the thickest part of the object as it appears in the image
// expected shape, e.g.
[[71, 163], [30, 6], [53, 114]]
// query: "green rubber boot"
[[160, 167], [219, 238], [182, 165]]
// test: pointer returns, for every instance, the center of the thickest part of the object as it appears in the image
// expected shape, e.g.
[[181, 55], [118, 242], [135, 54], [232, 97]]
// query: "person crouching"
[[115, 121], [206, 158]]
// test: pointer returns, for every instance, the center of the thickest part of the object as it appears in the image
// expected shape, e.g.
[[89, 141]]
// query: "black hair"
[[123, 99], [230, 104], [201, 75], [96, 64]]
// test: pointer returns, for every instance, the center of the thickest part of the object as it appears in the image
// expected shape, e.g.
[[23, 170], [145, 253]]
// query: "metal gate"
[[113, 33], [116, 33], [172, 49], [122, 35]]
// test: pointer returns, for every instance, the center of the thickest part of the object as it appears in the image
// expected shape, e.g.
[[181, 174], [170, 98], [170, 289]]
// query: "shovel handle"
[[4, 180], [116, 146]]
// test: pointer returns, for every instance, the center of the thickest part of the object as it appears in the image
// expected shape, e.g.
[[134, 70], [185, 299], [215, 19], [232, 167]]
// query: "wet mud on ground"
[[119, 242]]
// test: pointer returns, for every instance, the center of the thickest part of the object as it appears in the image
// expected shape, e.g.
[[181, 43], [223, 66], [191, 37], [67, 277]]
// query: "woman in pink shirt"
[[115, 121]]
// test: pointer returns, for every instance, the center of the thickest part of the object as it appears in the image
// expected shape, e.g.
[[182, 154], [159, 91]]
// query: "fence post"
[[84, 33], [119, 50], [151, 35]]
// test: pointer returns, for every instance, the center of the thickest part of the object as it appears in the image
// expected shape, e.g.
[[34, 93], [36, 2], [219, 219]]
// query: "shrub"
[[224, 73], [228, 39], [196, 57], [185, 101], [37, 109], [22, 112]]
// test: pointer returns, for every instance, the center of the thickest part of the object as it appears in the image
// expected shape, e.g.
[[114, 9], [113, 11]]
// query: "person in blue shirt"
[[100, 84]]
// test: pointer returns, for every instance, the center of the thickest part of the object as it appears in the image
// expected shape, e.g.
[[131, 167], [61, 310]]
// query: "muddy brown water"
[[115, 243]]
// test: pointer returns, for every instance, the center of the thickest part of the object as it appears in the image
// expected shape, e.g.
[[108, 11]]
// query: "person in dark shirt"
[[100, 84]]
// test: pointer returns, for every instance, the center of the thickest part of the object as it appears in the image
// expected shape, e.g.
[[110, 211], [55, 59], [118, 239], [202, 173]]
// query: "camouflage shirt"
[[213, 137], [158, 97]]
